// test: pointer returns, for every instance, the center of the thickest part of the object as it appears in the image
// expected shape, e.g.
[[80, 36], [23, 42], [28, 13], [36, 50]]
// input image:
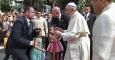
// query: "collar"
[[88, 14], [109, 6], [27, 20], [74, 13], [60, 16]]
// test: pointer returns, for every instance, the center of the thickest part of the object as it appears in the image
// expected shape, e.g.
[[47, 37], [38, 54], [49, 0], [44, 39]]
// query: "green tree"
[[0, 3], [5, 7], [38, 4]]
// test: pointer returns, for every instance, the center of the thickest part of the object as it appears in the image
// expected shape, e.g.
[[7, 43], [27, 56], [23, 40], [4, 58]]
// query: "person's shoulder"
[[79, 15], [64, 15], [20, 19], [92, 14]]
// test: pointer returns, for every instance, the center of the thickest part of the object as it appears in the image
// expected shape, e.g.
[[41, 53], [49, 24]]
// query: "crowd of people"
[[30, 34], [6, 22]]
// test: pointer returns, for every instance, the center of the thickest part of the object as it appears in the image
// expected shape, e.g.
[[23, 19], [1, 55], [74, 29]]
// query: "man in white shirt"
[[78, 47], [41, 23], [104, 30]]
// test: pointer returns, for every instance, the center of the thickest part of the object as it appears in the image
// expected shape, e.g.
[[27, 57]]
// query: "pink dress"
[[55, 44]]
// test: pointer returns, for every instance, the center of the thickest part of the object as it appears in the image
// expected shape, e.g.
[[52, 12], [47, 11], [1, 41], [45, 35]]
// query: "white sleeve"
[[67, 35], [103, 38]]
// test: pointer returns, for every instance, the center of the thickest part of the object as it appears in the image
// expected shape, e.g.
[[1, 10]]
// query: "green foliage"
[[114, 0], [0, 4], [5, 7], [38, 4], [63, 3]]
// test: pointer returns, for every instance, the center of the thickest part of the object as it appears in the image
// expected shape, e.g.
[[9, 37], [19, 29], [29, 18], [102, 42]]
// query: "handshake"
[[58, 31]]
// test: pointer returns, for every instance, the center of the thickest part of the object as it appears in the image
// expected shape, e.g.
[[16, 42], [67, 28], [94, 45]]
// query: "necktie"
[[85, 16], [30, 27]]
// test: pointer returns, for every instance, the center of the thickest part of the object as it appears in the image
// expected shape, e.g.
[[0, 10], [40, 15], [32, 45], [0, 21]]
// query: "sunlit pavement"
[[2, 55]]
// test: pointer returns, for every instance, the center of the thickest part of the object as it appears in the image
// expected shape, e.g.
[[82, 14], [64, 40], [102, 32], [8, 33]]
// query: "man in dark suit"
[[21, 39], [60, 21], [90, 18]]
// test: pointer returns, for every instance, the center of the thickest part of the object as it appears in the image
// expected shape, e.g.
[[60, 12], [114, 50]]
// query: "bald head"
[[56, 8], [56, 11]]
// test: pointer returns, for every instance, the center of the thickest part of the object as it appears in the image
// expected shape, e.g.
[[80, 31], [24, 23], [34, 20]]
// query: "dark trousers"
[[0, 37], [91, 45], [46, 42], [43, 41], [64, 44], [21, 54], [7, 55]]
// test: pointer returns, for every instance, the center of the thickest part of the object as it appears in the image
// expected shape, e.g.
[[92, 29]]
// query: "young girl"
[[38, 52], [55, 47]]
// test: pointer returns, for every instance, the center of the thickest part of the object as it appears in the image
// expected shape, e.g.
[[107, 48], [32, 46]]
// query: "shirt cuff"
[[31, 43], [62, 34]]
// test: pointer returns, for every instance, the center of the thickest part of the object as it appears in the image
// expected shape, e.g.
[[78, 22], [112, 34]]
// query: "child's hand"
[[52, 40], [58, 33], [43, 50], [47, 35], [35, 43], [72, 39]]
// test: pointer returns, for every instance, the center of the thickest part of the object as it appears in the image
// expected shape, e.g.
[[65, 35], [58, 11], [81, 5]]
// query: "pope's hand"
[[71, 39], [58, 33], [59, 29]]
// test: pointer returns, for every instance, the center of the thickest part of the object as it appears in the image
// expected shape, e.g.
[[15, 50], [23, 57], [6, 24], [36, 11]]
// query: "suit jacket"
[[104, 34], [19, 37], [90, 21], [62, 22]]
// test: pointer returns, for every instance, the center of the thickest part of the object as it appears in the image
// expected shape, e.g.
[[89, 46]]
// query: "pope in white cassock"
[[78, 47], [104, 30]]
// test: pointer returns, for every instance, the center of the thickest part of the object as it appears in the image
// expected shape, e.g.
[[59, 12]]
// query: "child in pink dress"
[[55, 47]]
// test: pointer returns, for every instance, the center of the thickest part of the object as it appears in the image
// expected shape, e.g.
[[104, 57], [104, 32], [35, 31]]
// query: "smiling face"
[[56, 12]]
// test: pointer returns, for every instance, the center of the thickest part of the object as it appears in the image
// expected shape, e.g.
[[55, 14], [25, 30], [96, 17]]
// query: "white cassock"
[[80, 48], [104, 34]]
